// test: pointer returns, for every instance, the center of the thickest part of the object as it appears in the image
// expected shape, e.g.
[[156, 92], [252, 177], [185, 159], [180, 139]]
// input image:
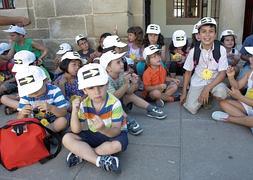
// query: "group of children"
[[97, 88]]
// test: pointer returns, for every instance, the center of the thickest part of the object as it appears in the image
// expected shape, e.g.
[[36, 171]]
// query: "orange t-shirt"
[[152, 77]]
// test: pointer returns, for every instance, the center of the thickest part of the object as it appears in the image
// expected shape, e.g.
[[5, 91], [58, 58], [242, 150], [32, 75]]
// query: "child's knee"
[[67, 139], [155, 94], [60, 124], [220, 93], [223, 103]]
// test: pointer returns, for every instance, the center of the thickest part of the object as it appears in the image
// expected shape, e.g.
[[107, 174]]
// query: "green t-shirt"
[[27, 46]]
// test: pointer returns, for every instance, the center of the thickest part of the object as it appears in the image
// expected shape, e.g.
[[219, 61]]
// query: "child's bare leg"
[[243, 120], [137, 101], [171, 89], [60, 124], [80, 148], [155, 94], [233, 108], [10, 101], [108, 148]]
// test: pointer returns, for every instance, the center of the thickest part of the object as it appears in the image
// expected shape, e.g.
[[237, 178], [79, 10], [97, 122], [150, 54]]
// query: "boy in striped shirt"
[[36, 93], [107, 131]]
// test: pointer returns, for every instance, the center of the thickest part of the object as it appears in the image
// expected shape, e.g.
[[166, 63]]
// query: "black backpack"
[[197, 51]]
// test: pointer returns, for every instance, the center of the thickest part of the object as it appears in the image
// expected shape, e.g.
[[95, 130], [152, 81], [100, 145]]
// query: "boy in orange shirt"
[[158, 86]]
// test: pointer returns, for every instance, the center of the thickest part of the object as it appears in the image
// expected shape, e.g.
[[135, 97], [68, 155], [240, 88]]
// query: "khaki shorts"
[[192, 104]]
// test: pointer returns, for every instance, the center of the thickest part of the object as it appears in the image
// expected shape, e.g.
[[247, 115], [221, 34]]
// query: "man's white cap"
[[227, 32], [23, 59], [153, 29], [179, 38], [151, 49], [113, 40], [91, 75], [80, 36], [73, 55], [63, 48], [195, 28], [249, 50], [30, 80], [206, 20], [4, 47], [109, 56], [16, 29]]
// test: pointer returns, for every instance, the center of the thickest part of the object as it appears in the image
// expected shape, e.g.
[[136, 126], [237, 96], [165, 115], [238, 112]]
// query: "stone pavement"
[[183, 146]]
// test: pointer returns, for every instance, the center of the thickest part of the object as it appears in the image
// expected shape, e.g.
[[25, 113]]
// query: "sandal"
[[9, 110]]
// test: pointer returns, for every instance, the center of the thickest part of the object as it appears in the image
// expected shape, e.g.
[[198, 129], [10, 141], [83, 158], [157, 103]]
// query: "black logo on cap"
[[91, 73], [26, 80], [154, 27], [180, 38], [18, 61]]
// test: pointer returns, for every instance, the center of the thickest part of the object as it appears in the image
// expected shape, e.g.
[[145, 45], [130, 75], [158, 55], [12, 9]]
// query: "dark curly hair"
[[138, 32], [160, 41]]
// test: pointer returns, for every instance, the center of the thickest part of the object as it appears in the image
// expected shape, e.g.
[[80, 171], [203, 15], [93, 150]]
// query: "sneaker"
[[220, 116], [133, 127], [156, 113], [73, 159], [110, 163], [159, 103]]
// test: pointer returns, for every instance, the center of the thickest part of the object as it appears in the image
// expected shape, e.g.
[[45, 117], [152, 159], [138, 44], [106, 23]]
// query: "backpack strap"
[[216, 51], [196, 54]]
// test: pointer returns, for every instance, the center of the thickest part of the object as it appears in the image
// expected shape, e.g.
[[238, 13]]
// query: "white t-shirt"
[[206, 60]]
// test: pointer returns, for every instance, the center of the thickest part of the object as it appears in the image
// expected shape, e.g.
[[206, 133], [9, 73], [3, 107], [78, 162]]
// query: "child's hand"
[[76, 103], [134, 78], [235, 93], [127, 78], [115, 29], [44, 107], [98, 123], [162, 87], [27, 110], [177, 81], [182, 98], [230, 71]]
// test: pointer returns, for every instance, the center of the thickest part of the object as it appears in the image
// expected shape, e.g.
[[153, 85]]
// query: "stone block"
[[110, 6], [31, 16], [44, 8], [89, 25], [21, 4], [14, 12], [136, 7], [66, 27], [77, 7], [42, 23], [38, 34], [106, 22], [138, 20]]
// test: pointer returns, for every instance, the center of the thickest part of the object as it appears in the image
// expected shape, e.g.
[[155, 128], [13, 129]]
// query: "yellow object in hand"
[[206, 74], [44, 122], [249, 93], [132, 56], [2, 78]]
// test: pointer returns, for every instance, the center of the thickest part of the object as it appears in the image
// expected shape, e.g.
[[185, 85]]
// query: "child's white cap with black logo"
[[249, 49], [79, 37], [113, 40], [30, 80], [195, 28], [206, 20], [23, 59], [109, 56], [151, 49], [179, 38], [16, 29], [228, 32], [63, 48], [91, 75], [73, 55], [4, 47], [153, 29]]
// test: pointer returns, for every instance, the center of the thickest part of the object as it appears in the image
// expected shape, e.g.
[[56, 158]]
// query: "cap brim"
[[1, 52], [60, 52], [96, 81], [16, 68], [121, 44], [32, 88], [180, 44], [249, 50]]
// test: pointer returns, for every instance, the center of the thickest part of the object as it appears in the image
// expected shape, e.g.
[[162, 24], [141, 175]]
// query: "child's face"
[[40, 92], [73, 67], [83, 44], [131, 37], [97, 93], [116, 66], [14, 37], [229, 42], [207, 35], [197, 36], [155, 59], [153, 38]]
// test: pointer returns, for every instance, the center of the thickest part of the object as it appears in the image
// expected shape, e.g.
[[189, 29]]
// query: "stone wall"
[[57, 21]]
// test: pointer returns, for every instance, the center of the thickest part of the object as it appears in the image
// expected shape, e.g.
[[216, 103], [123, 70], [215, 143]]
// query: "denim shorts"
[[95, 139]]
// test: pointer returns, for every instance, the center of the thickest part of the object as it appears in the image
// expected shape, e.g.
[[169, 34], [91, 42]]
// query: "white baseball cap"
[[16, 29], [80, 36], [206, 20], [91, 75], [228, 32], [73, 55], [249, 50], [109, 56], [4, 47], [30, 80], [153, 29], [151, 49], [113, 40], [23, 59], [179, 38], [63, 48], [195, 28]]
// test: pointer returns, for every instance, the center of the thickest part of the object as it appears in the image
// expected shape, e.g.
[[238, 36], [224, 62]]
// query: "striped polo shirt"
[[111, 112], [53, 96]]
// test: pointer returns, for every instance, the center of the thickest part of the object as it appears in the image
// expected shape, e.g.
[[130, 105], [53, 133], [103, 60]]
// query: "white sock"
[[97, 161]]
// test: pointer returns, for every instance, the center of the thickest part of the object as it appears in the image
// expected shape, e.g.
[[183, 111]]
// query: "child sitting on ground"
[[158, 86], [123, 85], [238, 111], [38, 97], [178, 52], [107, 133], [85, 51]]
